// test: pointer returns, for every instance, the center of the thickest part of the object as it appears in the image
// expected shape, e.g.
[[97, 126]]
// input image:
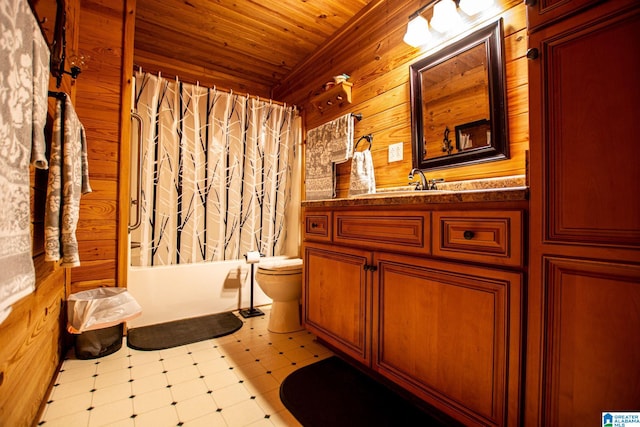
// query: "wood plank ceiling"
[[240, 44]]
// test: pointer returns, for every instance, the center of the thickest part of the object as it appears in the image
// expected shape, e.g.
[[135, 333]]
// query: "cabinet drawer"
[[484, 236], [384, 230], [317, 226]]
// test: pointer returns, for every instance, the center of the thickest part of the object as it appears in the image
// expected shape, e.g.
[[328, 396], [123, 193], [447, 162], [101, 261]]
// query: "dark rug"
[[333, 393], [181, 332]]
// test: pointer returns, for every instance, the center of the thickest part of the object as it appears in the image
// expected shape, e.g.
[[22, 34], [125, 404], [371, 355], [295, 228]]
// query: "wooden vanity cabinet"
[[338, 286], [445, 327], [583, 327]]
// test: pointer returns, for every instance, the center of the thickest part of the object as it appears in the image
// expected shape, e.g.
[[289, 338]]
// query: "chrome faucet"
[[422, 185], [433, 183]]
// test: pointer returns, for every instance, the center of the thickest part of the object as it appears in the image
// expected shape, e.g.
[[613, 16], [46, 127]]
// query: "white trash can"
[[96, 317]]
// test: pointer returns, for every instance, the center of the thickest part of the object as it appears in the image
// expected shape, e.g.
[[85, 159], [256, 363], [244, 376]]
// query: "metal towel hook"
[[369, 139]]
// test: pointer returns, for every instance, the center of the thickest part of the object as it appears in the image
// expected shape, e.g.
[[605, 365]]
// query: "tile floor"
[[229, 381]]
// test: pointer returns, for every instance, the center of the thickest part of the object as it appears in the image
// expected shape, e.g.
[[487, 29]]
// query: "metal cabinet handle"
[[370, 267], [468, 234], [533, 53], [314, 225]]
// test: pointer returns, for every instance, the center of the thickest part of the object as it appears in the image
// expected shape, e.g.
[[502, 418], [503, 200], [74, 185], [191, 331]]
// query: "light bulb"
[[445, 16], [417, 32]]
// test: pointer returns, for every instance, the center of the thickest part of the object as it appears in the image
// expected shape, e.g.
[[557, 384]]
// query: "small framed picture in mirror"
[[473, 135]]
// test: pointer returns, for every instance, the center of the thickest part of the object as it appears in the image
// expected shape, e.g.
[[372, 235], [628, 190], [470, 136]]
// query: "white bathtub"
[[168, 293]]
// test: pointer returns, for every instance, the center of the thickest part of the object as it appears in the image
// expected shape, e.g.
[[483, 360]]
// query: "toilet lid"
[[287, 266]]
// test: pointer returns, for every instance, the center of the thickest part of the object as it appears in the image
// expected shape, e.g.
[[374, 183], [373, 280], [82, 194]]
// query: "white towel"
[[17, 100], [41, 57], [362, 180], [327, 145], [68, 180]]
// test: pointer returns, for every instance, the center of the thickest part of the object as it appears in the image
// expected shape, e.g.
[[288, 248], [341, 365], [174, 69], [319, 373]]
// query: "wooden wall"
[[32, 338], [98, 104], [372, 52]]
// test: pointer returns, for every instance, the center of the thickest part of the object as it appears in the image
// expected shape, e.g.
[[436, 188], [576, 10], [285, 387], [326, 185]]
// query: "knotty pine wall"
[[370, 49], [32, 338], [98, 104]]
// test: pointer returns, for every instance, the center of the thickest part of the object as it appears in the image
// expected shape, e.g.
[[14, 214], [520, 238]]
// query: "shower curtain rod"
[[190, 81]]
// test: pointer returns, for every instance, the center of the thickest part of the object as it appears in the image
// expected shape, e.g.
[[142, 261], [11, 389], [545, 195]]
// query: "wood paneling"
[[372, 52], [98, 105], [31, 347], [245, 46]]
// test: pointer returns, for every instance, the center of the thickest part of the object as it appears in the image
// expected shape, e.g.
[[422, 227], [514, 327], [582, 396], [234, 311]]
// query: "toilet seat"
[[281, 267]]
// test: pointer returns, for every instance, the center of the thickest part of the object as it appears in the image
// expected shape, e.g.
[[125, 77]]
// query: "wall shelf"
[[337, 96]]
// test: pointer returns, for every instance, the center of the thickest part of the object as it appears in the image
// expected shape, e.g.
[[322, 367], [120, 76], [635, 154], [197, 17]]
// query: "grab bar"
[[136, 201]]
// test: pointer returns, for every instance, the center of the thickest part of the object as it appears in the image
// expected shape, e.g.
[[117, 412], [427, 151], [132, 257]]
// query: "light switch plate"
[[395, 152]]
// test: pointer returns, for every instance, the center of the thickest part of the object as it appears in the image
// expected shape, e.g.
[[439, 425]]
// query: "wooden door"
[[337, 297], [451, 334], [584, 284]]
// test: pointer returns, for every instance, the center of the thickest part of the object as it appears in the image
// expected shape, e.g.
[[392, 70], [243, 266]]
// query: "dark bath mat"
[[333, 393], [181, 332]]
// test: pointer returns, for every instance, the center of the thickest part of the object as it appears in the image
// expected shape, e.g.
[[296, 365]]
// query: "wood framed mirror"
[[458, 103]]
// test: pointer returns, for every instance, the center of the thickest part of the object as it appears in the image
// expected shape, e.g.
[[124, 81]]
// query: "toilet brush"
[[252, 258]]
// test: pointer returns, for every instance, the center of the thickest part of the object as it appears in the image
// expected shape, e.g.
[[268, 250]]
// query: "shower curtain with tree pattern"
[[216, 173]]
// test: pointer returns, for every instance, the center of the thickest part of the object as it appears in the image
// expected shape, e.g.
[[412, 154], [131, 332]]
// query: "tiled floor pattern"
[[229, 381]]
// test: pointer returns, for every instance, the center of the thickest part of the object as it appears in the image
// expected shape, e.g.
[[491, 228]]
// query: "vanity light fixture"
[[417, 32], [445, 18]]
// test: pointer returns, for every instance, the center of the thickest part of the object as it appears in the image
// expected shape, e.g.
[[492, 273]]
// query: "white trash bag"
[[100, 308]]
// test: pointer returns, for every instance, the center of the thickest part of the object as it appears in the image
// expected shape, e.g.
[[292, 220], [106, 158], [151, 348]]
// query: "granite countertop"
[[481, 190]]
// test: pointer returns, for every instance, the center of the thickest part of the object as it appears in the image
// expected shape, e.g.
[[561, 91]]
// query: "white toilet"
[[281, 280]]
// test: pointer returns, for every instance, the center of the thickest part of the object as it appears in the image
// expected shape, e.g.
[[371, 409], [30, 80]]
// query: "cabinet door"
[[584, 95], [337, 298], [452, 335], [592, 350], [544, 12]]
